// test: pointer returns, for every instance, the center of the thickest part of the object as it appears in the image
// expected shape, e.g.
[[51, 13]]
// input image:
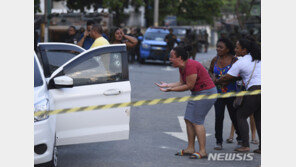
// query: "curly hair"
[[252, 47], [228, 43]]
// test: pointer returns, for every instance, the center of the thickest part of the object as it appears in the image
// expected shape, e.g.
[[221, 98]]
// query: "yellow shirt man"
[[99, 42]]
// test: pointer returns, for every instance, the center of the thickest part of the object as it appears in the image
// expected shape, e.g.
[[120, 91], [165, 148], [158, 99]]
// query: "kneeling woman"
[[193, 77]]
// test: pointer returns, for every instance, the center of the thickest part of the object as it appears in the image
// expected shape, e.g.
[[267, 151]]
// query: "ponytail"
[[183, 52], [252, 47]]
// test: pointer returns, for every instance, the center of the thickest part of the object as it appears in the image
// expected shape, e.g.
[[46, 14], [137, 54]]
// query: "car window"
[[158, 36], [179, 32], [98, 69], [37, 76], [53, 59]]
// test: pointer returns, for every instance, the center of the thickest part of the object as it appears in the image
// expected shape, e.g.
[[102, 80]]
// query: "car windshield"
[[37, 76], [157, 36], [180, 32]]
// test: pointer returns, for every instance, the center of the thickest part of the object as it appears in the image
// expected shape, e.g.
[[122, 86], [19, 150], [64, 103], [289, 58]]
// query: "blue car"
[[153, 46]]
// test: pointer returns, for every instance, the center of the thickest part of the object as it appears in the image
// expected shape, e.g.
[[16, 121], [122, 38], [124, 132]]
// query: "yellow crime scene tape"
[[149, 102]]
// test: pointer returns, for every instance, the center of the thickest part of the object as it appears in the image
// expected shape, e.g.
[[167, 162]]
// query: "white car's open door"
[[53, 55], [99, 76]]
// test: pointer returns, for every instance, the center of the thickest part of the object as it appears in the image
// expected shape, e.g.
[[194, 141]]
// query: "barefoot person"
[[193, 77]]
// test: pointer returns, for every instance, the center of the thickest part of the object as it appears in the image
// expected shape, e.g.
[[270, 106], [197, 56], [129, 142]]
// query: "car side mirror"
[[140, 38], [63, 82]]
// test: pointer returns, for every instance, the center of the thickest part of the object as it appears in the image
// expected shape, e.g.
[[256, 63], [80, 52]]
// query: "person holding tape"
[[249, 68], [220, 65], [193, 77]]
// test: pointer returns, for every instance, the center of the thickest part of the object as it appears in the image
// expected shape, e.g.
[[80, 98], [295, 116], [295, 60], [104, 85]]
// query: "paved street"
[[155, 131]]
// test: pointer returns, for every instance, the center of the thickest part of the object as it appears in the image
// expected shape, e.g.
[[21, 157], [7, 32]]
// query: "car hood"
[[152, 42], [40, 93]]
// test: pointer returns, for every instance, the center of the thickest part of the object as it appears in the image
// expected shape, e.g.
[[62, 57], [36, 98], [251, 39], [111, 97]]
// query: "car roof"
[[158, 29]]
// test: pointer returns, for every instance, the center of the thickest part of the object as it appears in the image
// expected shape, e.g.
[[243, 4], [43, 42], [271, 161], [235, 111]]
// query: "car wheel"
[[54, 160]]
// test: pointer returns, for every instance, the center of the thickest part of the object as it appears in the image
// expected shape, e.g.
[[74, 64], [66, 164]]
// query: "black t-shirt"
[[171, 39], [72, 39]]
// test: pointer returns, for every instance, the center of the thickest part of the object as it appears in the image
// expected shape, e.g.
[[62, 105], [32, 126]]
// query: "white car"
[[67, 76]]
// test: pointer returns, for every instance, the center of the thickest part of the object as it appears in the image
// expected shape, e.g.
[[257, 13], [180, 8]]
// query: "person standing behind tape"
[[73, 36], [220, 65], [193, 77], [118, 37], [96, 33], [170, 39], [249, 68], [85, 40]]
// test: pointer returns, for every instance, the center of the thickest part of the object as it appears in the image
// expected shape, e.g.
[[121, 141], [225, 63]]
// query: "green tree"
[[36, 6], [195, 11], [117, 6], [187, 11], [114, 6], [241, 8]]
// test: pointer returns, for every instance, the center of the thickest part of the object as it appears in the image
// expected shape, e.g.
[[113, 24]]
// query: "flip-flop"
[[242, 151], [229, 140], [182, 153], [254, 142], [258, 151], [197, 155]]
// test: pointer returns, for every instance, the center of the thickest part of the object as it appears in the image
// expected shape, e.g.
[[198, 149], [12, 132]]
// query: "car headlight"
[[41, 106], [145, 46]]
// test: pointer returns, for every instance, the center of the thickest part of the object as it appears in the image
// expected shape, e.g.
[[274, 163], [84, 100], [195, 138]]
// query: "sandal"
[[182, 153], [197, 156], [218, 146], [242, 149], [229, 140], [254, 142], [258, 151]]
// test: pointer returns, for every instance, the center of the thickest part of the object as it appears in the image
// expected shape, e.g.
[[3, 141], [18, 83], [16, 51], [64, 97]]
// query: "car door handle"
[[111, 92]]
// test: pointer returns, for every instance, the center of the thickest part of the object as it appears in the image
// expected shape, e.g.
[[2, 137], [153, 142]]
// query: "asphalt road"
[[155, 131]]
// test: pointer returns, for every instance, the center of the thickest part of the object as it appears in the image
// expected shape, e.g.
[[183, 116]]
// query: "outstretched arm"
[[181, 86]]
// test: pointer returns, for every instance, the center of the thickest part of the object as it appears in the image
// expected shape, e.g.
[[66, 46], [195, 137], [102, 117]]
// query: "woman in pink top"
[[193, 77]]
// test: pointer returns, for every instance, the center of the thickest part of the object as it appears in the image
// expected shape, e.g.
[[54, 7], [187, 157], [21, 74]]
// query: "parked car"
[[67, 76], [153, 46]]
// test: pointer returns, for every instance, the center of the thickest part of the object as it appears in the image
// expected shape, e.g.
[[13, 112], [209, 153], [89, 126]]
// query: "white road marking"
[[182, 135], [168, 68]]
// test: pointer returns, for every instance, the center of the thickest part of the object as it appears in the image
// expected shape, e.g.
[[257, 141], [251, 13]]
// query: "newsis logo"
[[230, 156]]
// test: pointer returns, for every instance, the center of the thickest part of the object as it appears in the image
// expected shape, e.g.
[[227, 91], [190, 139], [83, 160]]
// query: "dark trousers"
[[250, 105], [219, 117]]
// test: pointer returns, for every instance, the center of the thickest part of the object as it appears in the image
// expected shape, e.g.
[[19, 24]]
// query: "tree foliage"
[[241, 8], [114, 6], [187, 11], [199, 11], [37, 6]]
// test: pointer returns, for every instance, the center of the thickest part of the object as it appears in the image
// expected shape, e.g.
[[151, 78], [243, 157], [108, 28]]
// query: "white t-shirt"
[[244, 67]]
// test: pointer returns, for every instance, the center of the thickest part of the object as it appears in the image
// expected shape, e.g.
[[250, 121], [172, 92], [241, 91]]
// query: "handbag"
[[238, 101]]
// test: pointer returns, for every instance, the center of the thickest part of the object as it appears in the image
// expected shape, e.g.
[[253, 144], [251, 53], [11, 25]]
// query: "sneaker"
[[218, 146]]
